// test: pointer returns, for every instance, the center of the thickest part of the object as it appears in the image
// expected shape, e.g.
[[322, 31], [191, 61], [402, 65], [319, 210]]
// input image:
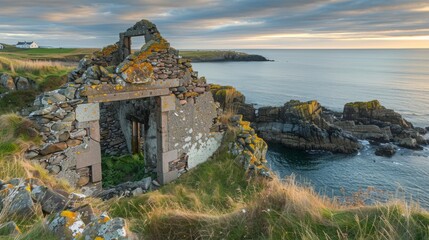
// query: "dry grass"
[[17, 135], [14, 65], [215, 201]]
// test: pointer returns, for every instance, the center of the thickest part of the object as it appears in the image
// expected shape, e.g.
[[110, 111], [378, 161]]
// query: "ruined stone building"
[[119, 102]]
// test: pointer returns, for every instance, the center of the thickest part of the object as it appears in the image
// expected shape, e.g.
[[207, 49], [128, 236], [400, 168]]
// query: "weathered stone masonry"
[[116, 102]]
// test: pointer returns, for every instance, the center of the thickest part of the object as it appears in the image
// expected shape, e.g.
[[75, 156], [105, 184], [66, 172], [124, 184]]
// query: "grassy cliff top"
[[75, 54], [52, 54]]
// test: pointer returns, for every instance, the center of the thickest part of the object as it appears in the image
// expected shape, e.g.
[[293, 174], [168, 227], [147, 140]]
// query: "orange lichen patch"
[[70, 217], [98, 238], [245, 125], [118, 87], [191, 94], [139, 73], [147, 50], [104, 219], [108, 50], [18, 230]]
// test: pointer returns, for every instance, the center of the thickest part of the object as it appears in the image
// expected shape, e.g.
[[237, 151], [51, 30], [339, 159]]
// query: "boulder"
[[7, 81], [66, 225], [386, 150], [18, 202], [50, 200], [86, 213], [22, 83], [106, 228]]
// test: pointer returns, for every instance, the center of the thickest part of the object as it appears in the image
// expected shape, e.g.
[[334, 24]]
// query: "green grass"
[[216, 201], [46, 75], [122, 169]]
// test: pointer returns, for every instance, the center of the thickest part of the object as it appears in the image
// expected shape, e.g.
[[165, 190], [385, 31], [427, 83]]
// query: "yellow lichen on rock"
[[139, 73], [370, 105], [307, 110], [108, 50]]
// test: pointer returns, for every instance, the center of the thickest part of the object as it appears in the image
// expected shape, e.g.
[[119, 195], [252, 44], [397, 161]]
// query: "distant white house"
[[1, 47], [27, 45]]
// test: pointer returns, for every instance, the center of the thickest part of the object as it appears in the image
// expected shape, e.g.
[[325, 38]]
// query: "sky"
[[222, 24]]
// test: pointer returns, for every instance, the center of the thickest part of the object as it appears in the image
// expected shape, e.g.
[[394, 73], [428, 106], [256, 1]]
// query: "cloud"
[[221, 23]]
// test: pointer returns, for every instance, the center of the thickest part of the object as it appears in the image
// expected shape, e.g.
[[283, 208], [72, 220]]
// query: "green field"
[[75, 54], [52, 54]]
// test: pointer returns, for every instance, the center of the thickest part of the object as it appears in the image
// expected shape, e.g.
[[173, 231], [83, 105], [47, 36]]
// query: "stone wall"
[[112, 139], [189, 129]]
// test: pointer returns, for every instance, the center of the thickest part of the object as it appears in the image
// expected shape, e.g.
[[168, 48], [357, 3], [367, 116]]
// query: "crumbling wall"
[[112, 139], [189, 129], [181, 111]]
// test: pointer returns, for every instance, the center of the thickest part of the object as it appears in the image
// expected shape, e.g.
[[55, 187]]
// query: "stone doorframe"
[[88, 116]]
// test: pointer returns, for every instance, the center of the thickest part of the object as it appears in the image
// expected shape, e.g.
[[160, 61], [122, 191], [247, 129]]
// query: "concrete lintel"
[[134, 33], [129, 88], [90, 156], [127, 95]]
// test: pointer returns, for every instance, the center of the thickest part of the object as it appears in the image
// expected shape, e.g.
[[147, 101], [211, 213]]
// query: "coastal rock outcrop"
[[372, 121], [301, 125], [232, 100]]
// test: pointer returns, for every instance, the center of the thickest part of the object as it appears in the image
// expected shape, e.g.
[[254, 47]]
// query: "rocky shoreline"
[[310, 126]]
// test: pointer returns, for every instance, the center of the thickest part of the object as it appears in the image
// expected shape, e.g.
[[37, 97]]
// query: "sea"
[[399, 79]]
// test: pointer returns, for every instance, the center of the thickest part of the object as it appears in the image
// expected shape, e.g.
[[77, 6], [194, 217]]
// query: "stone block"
[[89, 156], [49, 200], [94, 131], [168, 103], [96, 172], [88, 112]]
